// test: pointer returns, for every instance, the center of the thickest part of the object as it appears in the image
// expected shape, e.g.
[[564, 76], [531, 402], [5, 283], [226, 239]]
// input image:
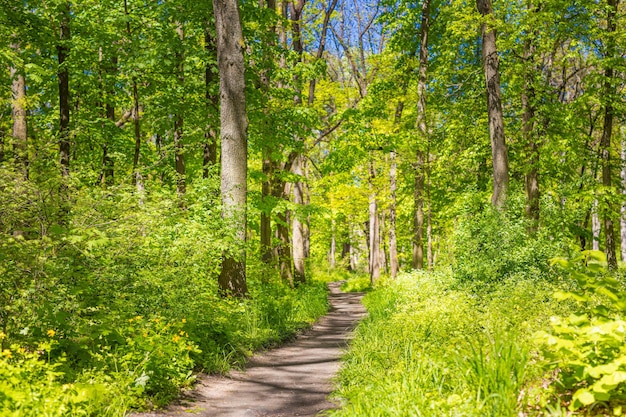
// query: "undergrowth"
[[120, 309], [432, 347]]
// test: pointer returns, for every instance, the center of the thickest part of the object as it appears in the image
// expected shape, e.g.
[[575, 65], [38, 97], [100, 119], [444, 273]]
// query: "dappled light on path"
[[293, 380]]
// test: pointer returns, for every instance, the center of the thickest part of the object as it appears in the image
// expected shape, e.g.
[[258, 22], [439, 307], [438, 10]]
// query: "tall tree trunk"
[[374, 231], [607, 131], [63, 76], [137, 177], [393, 244], [393, 167], [233, 133], [297, 229], [209, 158], [531, 179], [18, 110], [179, 149], [268, 165], [418, 195], [491, 64], [418, 214], [297, 225], [282, 190]]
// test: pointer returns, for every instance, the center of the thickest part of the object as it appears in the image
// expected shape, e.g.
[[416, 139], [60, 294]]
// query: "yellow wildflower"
[[51, 333], [2, 335], [7, 353], [176, 338], [184, 320]]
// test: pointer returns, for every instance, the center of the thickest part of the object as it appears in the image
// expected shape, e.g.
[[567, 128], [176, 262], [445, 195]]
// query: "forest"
[[179, 180]]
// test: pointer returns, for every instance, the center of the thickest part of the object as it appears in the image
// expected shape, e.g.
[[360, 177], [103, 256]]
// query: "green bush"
[[587, 349], [126, 297], [491, 246]]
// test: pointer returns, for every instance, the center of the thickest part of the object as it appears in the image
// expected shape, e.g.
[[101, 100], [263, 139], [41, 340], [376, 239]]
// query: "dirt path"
[[293, 380]]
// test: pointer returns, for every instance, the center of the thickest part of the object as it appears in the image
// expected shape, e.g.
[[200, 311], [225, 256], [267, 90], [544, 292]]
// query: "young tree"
[[233, 134]]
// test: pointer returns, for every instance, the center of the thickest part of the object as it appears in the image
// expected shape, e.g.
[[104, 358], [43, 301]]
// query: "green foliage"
[[126, 300], [491, 246], [433, 347], [587, 348]]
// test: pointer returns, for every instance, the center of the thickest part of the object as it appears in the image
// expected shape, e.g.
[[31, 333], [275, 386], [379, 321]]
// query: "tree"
[[233, 134], [491, 65], [609, 91], [18, 106], [418, 197], [63, 48]]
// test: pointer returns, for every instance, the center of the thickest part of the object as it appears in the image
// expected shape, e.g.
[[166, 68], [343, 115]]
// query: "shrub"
[[587, 349]]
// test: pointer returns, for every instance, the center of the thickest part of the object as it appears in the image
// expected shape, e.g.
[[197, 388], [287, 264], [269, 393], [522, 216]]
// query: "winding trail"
[[292, 380]]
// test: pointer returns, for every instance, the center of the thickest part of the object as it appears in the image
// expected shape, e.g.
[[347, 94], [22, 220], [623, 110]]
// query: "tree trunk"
[[297, 225], [607, 131], [18, 110], [283, 250], [297, 229], [332, 255], [491, 64], [209, 157], [63, 49], [373, 235], [233, 133], [137, 177], [418, 214], [418, 194], [393, 244], [179, 149], [531, 179], [595, 227]]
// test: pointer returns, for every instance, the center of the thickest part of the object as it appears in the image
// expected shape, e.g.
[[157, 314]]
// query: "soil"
[[292, 380]]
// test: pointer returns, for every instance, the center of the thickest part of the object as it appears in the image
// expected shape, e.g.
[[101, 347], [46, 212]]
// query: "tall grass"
[[433, 347]]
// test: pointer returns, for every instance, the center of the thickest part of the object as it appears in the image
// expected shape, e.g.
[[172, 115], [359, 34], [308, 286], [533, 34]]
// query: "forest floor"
[[292, 380]]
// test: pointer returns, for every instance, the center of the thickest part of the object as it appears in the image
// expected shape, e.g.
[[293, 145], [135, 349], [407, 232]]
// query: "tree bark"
[[298, 235], [418, 195], [137, 177], [18, 110], [374, 231], [491, 64], [63, 49], [418, 214], [607, 131], [233, 133], [393, 244], [531, 178]]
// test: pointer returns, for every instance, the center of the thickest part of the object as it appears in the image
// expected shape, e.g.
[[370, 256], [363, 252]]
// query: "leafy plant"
[[588, 348]]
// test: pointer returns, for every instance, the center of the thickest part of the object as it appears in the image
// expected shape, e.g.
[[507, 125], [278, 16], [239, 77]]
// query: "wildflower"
[[2, 335], [7, 353], [184, 320], [176, 338], [51, 333]]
